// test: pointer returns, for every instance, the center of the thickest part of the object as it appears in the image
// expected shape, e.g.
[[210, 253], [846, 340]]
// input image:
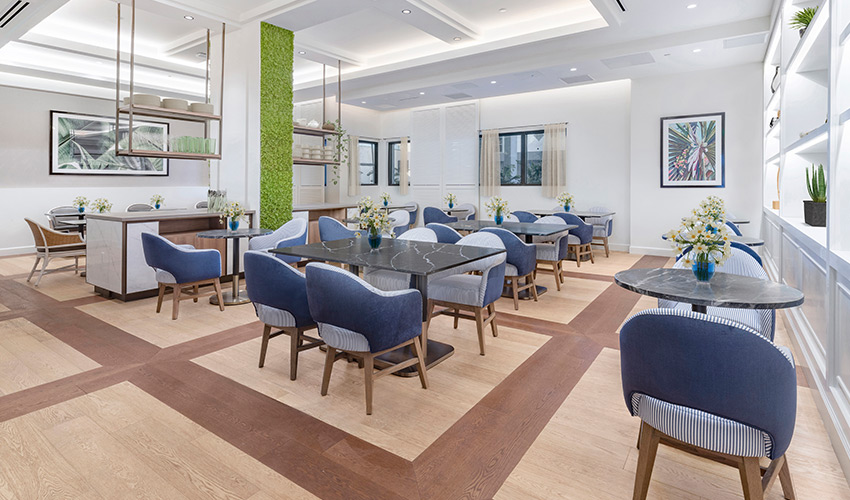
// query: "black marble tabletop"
[[523, 228], [410, 257], [724, 289], [578, 213], [247, 232]]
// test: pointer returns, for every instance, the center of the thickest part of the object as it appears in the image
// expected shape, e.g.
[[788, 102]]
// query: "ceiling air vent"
[[743, 41], [11, 12], [465, 86], [458, 96], [629, 60], [572, 80]]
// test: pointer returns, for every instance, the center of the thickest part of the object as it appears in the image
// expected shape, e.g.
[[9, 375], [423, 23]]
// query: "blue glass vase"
[[375, 240], [156, 206], [566, 208], [234, 224], [81, 209], [499, 220], [386, 202], [703, 270], [451, 205]]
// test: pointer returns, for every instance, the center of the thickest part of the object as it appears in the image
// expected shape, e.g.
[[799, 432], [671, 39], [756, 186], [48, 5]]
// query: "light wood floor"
[[104, 399]]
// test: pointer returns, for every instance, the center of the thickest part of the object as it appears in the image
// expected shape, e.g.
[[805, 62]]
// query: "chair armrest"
[[55, 238], [188, 265]]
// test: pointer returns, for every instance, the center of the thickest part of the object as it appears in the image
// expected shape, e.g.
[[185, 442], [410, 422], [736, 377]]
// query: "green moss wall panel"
[[276, 46]]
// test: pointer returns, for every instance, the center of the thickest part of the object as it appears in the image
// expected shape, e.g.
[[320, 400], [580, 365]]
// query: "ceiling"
[[393, 53]]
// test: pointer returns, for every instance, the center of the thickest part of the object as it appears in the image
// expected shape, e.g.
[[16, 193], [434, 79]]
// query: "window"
[[394, 163], [521, 155], [368, 151]]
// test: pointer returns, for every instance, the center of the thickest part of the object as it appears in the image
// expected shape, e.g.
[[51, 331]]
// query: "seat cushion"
[[547, 251], [388, 281], [702, 429], [274, 316], [165, 277], [510, 270], [343, 338], [458, 289]]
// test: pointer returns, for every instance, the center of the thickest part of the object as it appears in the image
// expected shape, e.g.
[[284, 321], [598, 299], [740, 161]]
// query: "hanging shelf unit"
[[320, 132], [132, 110]]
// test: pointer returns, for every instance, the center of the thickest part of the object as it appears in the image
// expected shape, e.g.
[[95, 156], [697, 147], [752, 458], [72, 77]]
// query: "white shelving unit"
[[813, 101]]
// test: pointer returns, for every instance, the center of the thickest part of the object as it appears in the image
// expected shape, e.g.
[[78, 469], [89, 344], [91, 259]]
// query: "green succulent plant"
[[801, 19], [816, 184]]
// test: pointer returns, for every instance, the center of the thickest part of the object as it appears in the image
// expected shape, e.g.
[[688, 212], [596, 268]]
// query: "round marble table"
[[233, 297], [724, 289]]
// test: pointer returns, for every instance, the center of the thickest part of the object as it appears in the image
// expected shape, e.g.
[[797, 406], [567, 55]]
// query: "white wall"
[[28, 190], [735, 91]]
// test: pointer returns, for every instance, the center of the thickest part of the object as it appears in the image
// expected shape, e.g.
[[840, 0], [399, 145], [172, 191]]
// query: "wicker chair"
[[50, 244]]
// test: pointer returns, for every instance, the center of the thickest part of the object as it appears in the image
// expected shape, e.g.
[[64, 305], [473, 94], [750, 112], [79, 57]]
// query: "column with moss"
[[276, 46]]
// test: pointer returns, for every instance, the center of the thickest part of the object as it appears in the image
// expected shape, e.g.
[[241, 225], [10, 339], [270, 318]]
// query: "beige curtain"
[[554, 171], [490, 174], [404, 166], [353, 165]]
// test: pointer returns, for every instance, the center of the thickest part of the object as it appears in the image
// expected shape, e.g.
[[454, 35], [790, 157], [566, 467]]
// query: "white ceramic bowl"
[[202, 107], [178, 104], [147, 100], [302, 122], [313, 124]]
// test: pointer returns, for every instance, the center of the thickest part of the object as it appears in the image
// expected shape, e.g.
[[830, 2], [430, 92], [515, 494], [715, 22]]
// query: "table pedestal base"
[[437, 353], [699, 309], [230, 299]]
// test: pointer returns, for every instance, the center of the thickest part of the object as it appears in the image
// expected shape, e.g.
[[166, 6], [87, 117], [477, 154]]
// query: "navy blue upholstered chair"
[[444, 233], [734, 228], [470, 210], [743, 264], [520, 263], [524, 216], [331, 229], [413, 208], [603, 227], [580, 239], [291, 234], [387, 280], [713, 388], [180, 267], [356, 318], [433, 214], [748, 250], [552, 250], [399, 221], [279, 294], [475, 293]]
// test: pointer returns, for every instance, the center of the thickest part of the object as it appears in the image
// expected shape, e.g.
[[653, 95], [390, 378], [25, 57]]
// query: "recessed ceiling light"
[[492, 81], [697, 50], [302, 52], [692, 6], [422, 93], [189, 18], [573, 69], [503, 10], [362, 102], [406, 11], [457, 39]]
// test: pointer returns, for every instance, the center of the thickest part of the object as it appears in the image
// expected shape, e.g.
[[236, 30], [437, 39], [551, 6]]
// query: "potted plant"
[[157, 200], [329, 125], [498, 208], [340, 149], [802, 18], [451, 199], [102, 205], [81, 202], [385, 198], [565, 200], [814, 210], [702, 241], [376, 222], [235, 213]]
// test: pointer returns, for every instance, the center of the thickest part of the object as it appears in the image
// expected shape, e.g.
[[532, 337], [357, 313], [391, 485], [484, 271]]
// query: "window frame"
[[374, 145], [390, 145], [523, 167]]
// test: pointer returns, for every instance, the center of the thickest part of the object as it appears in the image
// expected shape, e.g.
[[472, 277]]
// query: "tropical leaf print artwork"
[[692, 151]]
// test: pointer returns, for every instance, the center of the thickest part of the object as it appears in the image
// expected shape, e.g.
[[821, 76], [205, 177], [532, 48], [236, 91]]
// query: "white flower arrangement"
[[451, 199], [233, 211], [365, 204], [703, 238], [497, 207], [565, 199], [81, 202], [385, 197], [102, 205], [157, 199], [375, 220]]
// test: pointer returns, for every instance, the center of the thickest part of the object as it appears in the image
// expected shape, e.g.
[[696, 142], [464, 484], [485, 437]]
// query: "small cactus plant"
[[816, 184]]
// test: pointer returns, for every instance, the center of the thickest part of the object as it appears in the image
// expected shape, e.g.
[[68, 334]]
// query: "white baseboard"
[[16, 251], [660, 252]]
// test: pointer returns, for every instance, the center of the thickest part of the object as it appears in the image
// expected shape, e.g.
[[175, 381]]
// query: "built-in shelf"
[[773, 133], [773, 103], [308, 161], [171, 155], [774, 159], [812, 51], [174, 114], [813, 142], [317, 132], [844, 35], [844, 117]]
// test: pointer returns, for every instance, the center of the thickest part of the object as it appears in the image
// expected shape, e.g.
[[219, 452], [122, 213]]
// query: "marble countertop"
[[724, 289], [155, 215], [410, 257], [339, 206], [525, 228]]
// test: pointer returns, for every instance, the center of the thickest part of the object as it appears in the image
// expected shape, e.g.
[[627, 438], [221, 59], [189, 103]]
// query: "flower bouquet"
[[565, 200], [385, 198], [102, 205], [702, 240], [451, 199], [157, 200], [498, 208], [81, 202], [376, 222], [365, 204], [235, 212]]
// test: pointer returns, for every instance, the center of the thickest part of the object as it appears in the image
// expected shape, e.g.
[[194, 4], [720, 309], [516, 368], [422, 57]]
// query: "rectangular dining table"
[[582, 214], [416, 258], [526, 230]]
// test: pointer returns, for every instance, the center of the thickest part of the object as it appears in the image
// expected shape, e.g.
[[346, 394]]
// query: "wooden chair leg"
[[751, 478], [491, 311], [423, 372], [294, 335], [457, 317], [561, 271], [785, 481], [267, 331], [159, 297], [577, 253], [34, 267], [479, 325], [590, 251], [605, 243], [516, 293], [195, 291], [557, 280], [533, 288], [329, 364], [367, 371], [175, 306], [649, 438], [217, 285]]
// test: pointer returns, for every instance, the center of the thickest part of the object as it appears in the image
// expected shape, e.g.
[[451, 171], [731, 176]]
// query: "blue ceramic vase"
[[499, 220]]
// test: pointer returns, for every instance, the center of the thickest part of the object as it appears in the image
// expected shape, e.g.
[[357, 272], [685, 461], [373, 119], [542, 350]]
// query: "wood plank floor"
[[102, 399]]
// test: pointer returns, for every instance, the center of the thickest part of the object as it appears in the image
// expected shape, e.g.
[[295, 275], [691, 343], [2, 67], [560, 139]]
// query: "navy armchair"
[[279, 294], [603, 227], [399, 221], [413, 209], [520, 263], [475, 293], [433, 214], [357, 318], [552, 250], [387, 280], [444, 233], [734, 228], [291, 234], [580, 239], [181, 267], [524, 216], [713, 388], [470, 210], [331, 229], [748, 250]]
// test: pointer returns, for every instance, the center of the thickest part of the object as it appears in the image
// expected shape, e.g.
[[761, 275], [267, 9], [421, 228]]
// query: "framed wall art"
[[693, 151]]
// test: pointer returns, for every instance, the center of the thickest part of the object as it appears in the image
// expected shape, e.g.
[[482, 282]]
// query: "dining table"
[[581, 214], [722, 290], [234, 297], [526, 230], [419, 259]]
